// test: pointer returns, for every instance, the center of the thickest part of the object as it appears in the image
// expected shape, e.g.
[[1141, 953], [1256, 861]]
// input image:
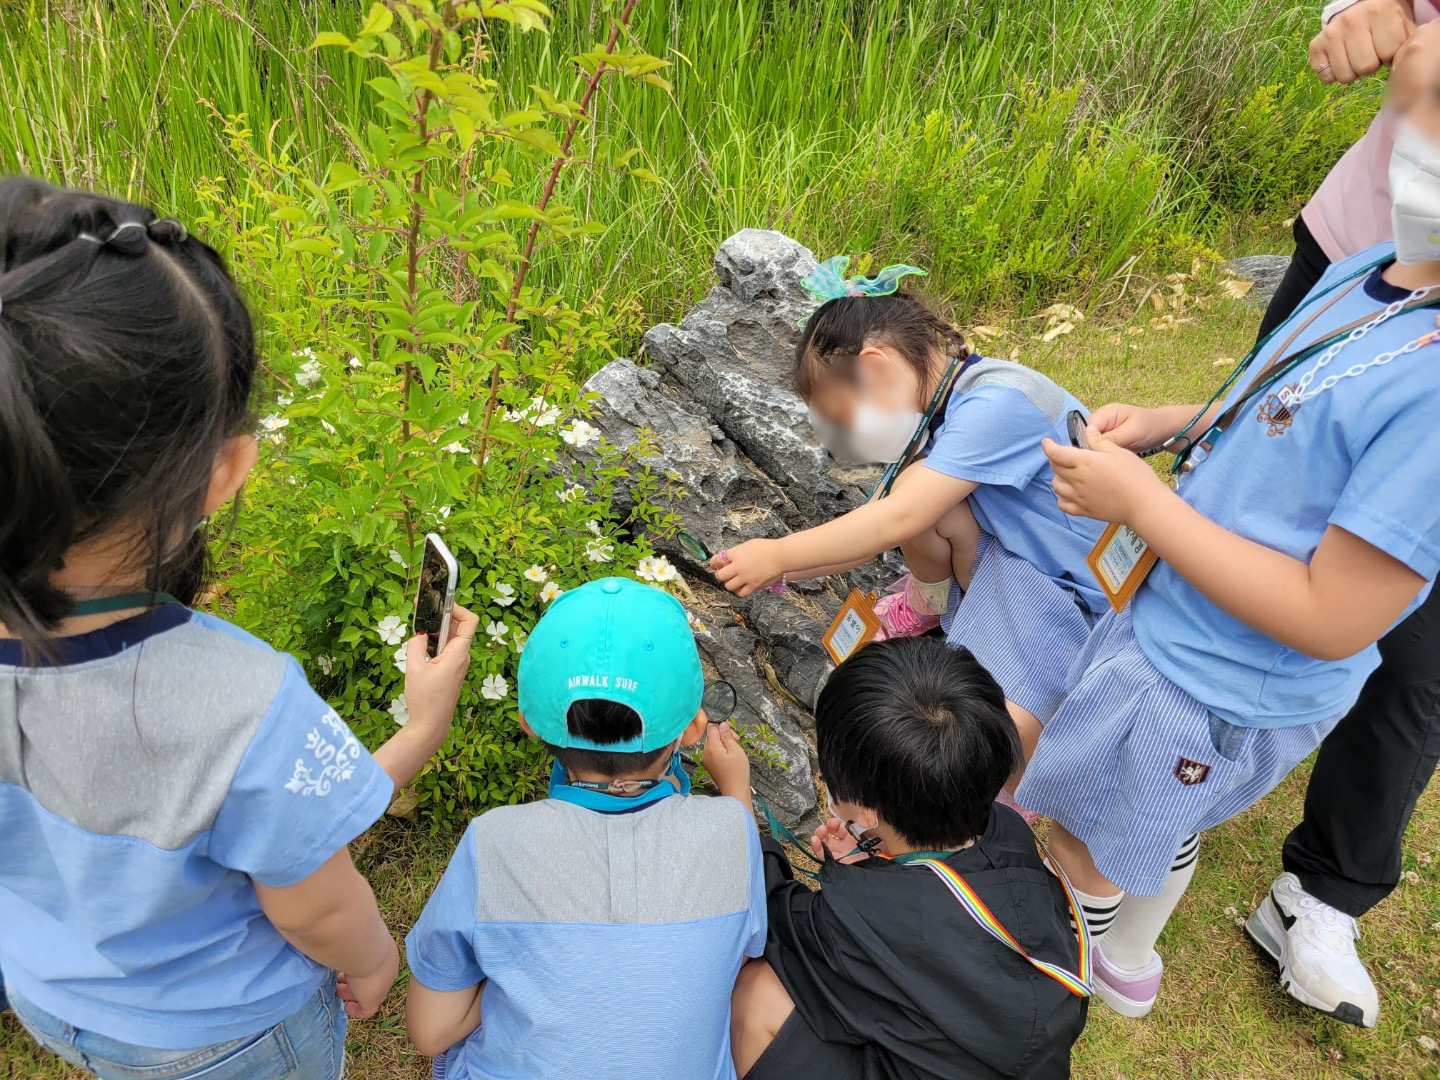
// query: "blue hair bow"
[[828, 282]]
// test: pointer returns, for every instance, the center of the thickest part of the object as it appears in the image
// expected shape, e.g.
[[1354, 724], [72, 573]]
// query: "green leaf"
[[330, 37], [379, 21], [646, 175]]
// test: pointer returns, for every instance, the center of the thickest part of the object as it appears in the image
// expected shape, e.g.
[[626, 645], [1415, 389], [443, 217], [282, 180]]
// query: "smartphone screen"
[[435, 594]]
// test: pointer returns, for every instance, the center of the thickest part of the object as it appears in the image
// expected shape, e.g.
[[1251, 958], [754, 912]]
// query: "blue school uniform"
[[1032, 598], [146, 784], [608, 932], [1180, 716]]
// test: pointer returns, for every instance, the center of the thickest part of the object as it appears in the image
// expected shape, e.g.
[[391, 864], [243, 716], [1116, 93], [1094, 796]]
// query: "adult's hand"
[[1361, 39]]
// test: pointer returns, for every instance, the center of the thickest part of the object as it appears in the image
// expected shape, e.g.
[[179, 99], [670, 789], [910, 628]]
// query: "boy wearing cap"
[[597, 932]]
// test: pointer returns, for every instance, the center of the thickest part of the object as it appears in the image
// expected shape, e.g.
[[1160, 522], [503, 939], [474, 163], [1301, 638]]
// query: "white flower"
[[391, 629], [328, 426], [455, 448], [444, 511], [695, 624], [309, 373], [497, 632], [396, 557], [504, 594], [494, 688], [580, 434], [593, 526], [464, 419], [400, 711], [545, 415], [571, 493], [354, 361], [273, 422], [536, 574], [599, 551], [519, 640], [325, 663], [400, 657], [550, 592], [284, 401], [655, 568]]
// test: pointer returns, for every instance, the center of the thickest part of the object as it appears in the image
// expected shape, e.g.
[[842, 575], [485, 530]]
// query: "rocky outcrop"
[[1266, 271], [715, 405]]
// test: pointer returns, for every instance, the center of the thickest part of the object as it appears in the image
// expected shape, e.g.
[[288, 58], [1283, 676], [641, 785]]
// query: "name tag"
[[1120, 562], [856, 625]]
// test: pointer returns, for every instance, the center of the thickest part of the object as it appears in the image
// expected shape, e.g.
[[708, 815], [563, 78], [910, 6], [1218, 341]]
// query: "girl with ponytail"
[[176, 891]]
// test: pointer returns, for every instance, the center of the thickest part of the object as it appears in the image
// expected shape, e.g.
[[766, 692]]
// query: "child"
[[1305, 526], [175, 886], [869, 364], [596, 933], [883, 972]]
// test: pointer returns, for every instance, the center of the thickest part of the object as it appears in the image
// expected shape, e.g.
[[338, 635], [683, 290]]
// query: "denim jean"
[[307, 1045]]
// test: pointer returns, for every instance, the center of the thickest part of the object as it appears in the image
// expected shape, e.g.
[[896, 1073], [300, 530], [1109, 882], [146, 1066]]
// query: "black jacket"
[[884, 957]]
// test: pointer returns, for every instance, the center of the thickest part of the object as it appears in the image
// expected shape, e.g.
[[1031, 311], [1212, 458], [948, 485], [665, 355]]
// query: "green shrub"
[[419, 383]]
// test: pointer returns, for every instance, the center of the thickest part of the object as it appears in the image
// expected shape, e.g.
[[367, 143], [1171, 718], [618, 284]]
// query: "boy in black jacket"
[[885, 973]]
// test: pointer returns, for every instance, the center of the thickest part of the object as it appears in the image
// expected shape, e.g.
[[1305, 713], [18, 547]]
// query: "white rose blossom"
[[550, 592], [494, 688], [497, 632], [391, 629], [504, 594], [325, 664], [519, 640], [455, 448], [580, 434], [536, 574], [599, 551], [593, 526], [573, 492], [309, 373], [400, 656], [655, 568], [400, 711]]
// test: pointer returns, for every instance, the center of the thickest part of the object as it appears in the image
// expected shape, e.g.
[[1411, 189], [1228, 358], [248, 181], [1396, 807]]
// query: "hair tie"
[[168, 231], [828, 282], [124, 246]]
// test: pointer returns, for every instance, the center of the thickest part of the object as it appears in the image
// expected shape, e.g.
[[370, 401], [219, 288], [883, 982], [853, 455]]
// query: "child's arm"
[[438, 1019], [432, 687], [332, 918], [921, 496], [1341, 601]]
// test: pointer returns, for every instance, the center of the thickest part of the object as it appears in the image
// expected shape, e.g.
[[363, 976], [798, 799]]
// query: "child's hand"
[[432, 687], [835, 838], [753, 565], [1106, 482], [724, 758], [1129, 426], [364, 994]]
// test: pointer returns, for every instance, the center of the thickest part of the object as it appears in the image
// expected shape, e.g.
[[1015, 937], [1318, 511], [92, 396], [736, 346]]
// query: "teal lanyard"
[[104, 605], [887, 479], [1269, 377]]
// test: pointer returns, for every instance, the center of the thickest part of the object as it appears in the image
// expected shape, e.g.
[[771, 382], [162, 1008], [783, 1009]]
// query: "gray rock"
[[1266, 271]]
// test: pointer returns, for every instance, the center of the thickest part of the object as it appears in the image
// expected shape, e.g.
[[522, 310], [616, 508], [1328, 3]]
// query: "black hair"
[[841, 328], [127, 358], [917, 732], [601, 721]]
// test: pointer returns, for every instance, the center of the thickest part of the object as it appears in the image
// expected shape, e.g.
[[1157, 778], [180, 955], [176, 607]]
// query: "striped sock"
[[1099, 912], [1138, 923]]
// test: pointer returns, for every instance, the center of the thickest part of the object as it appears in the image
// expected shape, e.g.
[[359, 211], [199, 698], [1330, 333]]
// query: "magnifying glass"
[[694, 547], [718, 701]]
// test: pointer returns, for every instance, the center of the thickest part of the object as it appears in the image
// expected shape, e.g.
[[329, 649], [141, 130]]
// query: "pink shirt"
[[1351, 210]]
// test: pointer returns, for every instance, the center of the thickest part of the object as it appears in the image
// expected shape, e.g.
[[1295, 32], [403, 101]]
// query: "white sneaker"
[[1315, 947]]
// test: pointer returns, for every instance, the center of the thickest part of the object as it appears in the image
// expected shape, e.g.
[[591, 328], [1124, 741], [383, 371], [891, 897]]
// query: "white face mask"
[[883, 436], [1415, 194]]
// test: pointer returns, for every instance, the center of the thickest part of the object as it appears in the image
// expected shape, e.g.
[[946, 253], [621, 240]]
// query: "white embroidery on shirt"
[[335, 755]]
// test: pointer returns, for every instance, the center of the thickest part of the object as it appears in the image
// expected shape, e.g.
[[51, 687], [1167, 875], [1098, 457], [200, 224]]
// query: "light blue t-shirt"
[[996, 416], [146, 784], [609, 942], [1363, 455]]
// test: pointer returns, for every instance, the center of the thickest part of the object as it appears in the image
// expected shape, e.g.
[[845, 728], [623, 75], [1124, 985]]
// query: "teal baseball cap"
[[617, 640]]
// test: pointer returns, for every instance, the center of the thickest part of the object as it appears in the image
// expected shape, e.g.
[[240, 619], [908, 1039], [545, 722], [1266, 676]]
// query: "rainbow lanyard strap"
[[1078, 983]]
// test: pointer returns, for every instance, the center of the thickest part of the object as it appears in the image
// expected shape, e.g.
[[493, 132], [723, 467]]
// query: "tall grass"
[[1022, 150]]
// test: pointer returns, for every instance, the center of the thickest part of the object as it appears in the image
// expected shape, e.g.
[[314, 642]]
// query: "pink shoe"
[[897, 618], [1006, 799], [1129, 993]]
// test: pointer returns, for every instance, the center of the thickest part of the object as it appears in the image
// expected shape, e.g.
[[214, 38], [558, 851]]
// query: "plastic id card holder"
[[856, 625], [1120, 562]]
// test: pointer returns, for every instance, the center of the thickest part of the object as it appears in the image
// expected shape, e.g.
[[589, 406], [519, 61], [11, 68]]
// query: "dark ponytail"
[[127, 358], [836, 334]]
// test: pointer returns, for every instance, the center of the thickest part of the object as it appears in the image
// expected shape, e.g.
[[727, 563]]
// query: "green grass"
[[1221, 1013]]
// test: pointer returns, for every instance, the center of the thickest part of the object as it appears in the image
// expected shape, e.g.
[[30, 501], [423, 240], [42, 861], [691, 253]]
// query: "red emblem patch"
[[1191, 772]]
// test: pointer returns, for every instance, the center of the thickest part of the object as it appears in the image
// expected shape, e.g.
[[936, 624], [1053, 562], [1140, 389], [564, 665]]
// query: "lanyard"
[[104, 605], [1280, 366], [1078, 983], [887, 479]]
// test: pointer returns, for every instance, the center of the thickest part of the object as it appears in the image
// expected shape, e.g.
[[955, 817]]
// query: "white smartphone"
[[435, 595]]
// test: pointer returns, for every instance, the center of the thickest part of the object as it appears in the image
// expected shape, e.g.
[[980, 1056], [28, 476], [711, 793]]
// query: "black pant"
[[1374, 765]]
